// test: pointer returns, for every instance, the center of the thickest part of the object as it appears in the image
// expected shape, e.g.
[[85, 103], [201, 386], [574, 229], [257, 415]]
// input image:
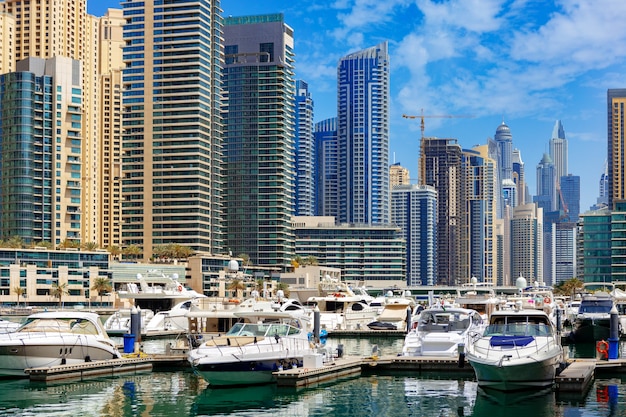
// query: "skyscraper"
[[570, 192], [519, 177], [616, 144], [51, 28], [527, 243], [558, 150], [440, 165], [40, 162], [414, 210], [504, 142], [398, 175], [546, 184], [326, 168], [478, 199], [363, 135], [172, 125], [259, 138], [305, 151]]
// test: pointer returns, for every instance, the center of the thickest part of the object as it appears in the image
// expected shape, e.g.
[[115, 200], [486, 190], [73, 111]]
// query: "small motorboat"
[[382, 325], [520, 349]]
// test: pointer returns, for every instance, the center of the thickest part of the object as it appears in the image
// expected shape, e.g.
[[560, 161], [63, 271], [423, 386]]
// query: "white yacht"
[[520, 349], [439, 331], [55, 338], [262, 343]]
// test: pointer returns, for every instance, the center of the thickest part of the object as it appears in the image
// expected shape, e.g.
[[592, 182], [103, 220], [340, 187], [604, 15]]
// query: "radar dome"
[[520, 283], [233, 265]]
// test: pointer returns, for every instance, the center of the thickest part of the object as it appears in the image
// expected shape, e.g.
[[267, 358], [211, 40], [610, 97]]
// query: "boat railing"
[[520, 331]]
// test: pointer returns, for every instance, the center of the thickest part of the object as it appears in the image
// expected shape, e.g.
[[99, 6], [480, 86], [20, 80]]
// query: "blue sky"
[[527, 62]]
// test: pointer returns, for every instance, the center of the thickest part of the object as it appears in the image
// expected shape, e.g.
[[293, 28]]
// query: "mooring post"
[[614, 334]]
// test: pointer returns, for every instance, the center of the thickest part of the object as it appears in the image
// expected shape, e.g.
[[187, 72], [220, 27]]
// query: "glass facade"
[[259, 139], [172, 126], [363, 136]]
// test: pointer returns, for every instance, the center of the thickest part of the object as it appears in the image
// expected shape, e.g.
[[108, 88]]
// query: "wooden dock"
[[90, 369]]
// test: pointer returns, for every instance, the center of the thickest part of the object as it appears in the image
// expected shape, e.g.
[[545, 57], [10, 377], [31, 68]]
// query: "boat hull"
[[244, 373], [517, 375], [590, 329], [27, 353]]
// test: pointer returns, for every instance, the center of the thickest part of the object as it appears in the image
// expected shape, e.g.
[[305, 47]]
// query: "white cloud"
[[471, 15]]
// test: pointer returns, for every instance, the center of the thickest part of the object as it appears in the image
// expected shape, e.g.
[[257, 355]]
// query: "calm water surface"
[[181, 393]]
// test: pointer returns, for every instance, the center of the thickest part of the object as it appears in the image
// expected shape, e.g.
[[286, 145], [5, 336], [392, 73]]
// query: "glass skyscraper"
[[172, 126], [363, 135], [326, 168], [305, 151], [259, 138], [40, 162]]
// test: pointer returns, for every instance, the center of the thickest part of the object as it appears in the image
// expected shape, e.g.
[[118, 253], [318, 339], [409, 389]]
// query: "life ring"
[[180, 288], [234, 301], [547, 300], [603, 348]]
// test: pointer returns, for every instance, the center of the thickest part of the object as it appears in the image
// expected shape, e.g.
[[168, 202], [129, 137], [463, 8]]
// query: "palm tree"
[[284, 287], [101, 285], [311, 260], [58, 291], [69, 244], [90, 246], [571, 286], [15, 242], [133, 251], [44, 244], [19, 291], [238, 286], [115, 251]]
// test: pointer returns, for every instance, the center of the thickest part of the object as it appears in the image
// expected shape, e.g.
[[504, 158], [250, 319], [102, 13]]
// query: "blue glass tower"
[[305, 151], [326, 168], [363, 135]]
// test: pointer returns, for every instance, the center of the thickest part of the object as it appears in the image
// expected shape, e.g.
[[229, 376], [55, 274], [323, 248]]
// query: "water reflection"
[[533, 403]]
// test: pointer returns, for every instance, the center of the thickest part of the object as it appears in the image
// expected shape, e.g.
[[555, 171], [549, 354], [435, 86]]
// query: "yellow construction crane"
[[422, 116]]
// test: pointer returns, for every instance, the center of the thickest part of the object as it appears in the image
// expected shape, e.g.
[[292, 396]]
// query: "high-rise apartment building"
[[414, 211], [41, 142], [440, 167], [172, 180], [546, 184], [327, 168], [259, 138], [527, 243], [363, 134], [109, 167], [570, 196], [479, 202], [398, 175], [558, 150], [519, 178], [7, 42], [504, 142], [51, 28], [616, 144], [305, 151]]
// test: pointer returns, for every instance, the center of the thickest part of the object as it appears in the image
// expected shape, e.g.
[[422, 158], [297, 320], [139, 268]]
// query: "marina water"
[[181, 393]]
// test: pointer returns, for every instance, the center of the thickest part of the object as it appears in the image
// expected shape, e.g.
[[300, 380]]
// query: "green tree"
[[237, 286], [19, 291], [102, 285], [115, 251], [15, 242], [132, 251], [284, 287], [90, 246], [69, 244], [569, 287], [58, 291]]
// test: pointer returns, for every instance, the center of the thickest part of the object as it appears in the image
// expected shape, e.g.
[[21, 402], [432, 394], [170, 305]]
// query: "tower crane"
[[422, 116]]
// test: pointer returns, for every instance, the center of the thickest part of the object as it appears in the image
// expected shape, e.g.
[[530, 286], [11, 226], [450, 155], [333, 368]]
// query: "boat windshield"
[[443, 321], [595, 306], [261, 329], [518, 326], [60, 325]]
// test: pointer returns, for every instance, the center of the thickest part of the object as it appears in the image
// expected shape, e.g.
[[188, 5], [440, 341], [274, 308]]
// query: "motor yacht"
[[262, 342], [439, 331], [520, 349], [55, 338]]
